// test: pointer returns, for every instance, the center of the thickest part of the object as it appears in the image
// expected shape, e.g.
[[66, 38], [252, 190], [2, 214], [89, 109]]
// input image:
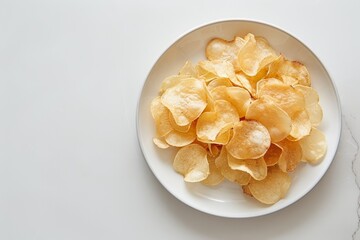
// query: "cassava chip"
[[276, 120], [191, 161], [186, 100], [313, 146], [250, 140], [271, 189], [257, 168]]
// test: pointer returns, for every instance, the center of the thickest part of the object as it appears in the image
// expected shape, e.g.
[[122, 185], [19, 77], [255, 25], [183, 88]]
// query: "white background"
[[70, 76]]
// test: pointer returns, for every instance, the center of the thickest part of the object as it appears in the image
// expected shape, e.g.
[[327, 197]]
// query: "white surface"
[[70, 164], [226, 199]]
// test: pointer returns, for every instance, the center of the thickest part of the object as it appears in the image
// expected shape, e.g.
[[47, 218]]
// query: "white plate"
[[227, 199]]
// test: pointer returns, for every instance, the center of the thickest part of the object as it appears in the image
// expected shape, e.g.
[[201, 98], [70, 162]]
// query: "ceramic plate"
[[227, 199]]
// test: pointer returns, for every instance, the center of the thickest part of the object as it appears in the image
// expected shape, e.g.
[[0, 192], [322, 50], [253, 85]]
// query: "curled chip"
[[313, 146], [237, 176], [186, 100], [161, 116], [276, 120], [215, 177], [255, 54], [211, 124], [291, 155], [271, 189], [191, 161], [284, 95], [220, 49], [257, 168], [245, 114], [181, 139], [272, 155], [290, 71], [250, 140], [312, 105]]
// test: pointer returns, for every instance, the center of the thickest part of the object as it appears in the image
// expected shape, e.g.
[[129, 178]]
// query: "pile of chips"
[[245, 114]]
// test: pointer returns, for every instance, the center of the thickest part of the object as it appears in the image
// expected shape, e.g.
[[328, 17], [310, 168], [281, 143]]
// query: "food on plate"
[[245, 114]]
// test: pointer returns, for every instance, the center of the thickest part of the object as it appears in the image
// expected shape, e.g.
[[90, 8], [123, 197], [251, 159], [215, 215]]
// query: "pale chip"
[[314, 146], [257, 168], [186, 100], [191, 161], [291, 155], [249, 141], [271, 189], [276, 120]]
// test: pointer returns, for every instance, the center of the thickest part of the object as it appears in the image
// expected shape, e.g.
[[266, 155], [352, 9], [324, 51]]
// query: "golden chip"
[[301, 126], [313, 146], [160, 143], [222, 139], [211, 124], [191, 161], [290, 156], [311, 104], [161, 117], [255, 54], [257, 168], [250, 140], [181, 139], [219, 82], [276, 120], [186, 100], [271, 189], [239, 177], [215, 177], [284, 95], [272, 155], [177, 127]]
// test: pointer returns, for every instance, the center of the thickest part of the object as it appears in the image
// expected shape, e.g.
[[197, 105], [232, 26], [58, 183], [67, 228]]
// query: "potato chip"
[[160, 143], [246, 190], [239, 98], [237, 176], [181, 139], [311, 104], [160, 115], [313, 146], [250, 140], [211, 124], [271, 189], [272, 155], [284, 95], [255, 54], [282, 69], [218, 68], [219, 82], [222, 138], [257, 168], [220, 49], [301, 126], [186, 100], [276, 120], [191, 161], [188, 70], [177, 127], [291, 155], [215, 177], [250, 82], [214, 149]]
